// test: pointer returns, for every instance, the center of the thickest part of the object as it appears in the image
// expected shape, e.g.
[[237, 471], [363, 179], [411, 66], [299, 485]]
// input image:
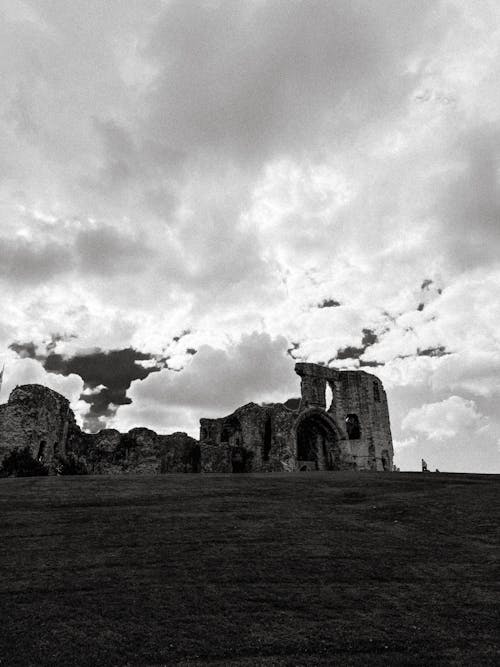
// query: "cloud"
[[27, 262], [214, 383], [455, 416], [30, 371], [470, 205], [226, 167], [107, 374], [474, 371], [257, 79], [105, 250]]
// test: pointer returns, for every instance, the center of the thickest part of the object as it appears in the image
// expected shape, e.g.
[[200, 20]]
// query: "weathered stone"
[[215, 458], [353, 432], [99, 451], [179, 453], [39, 418]]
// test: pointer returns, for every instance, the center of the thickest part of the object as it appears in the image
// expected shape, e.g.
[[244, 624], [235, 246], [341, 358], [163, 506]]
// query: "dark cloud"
[[370, 364], [41, 351], [24, 350], [110, 373], [329, 303], [351, 352], [185, 332], [469, 204], [106, 250], [251, 79], [115, 370], [30, 262], [439, 351]]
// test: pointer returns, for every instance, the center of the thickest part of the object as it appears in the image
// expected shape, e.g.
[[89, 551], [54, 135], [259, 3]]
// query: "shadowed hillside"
[[270, 569]]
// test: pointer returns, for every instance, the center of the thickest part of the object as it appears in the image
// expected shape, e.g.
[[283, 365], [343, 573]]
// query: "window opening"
[[353, 427], [328, 396], [41, 451], [267, 440]]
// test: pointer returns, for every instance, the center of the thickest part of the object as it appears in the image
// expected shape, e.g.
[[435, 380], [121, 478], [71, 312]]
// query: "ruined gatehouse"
[[351, 432]]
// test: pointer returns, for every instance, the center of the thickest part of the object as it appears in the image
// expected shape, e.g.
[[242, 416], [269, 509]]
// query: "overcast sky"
[[194, 193]]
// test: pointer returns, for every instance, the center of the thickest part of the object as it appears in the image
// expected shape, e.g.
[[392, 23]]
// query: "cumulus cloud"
[[31, 371], [452, 434], [214, 383], [256, 79], [446, 419], [225, 167]]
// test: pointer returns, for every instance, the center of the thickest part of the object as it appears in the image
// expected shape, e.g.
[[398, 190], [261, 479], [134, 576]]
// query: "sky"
[[196, 194]]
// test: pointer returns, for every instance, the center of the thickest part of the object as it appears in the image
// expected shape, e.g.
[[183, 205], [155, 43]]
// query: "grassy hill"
[[269, 569]]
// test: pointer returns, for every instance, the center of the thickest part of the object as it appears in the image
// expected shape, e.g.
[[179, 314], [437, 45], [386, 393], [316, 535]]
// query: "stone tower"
[[37, 417], [353, 432]]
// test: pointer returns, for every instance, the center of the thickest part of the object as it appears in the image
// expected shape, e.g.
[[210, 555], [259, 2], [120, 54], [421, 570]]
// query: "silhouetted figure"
[[424, 466]]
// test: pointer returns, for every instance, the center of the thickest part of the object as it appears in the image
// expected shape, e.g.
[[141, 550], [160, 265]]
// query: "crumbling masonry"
[[352, 433]]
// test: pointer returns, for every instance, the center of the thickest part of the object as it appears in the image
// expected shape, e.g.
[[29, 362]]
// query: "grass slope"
[[285, 569]]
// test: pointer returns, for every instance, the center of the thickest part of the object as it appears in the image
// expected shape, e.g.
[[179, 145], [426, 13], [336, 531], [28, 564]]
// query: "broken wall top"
[[36, 394], [305, 369]]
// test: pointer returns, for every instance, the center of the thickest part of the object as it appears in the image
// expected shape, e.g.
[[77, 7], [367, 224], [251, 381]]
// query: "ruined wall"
[[351, 433], [140, 451], [179, 452], [37, 417], [43, 420], [254, 438], [355, 394], [363, 395]]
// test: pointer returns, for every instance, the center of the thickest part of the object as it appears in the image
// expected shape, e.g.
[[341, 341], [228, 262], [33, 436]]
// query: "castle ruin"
[[351, 433]]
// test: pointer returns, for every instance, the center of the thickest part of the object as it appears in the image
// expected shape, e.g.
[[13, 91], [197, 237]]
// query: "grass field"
[[268, 569]]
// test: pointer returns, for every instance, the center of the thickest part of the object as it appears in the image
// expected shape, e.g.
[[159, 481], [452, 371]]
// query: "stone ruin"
[[351, 433]]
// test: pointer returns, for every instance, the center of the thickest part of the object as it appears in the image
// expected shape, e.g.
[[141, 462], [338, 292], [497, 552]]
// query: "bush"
[[21, 463], [71, 464]]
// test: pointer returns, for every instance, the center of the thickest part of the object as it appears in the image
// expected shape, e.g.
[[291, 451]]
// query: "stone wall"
[[354, 393], [353, 432], [255, 438], [42, 419], [39, 418]]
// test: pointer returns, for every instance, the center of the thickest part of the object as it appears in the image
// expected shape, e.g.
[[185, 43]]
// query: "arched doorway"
[[317, 447]]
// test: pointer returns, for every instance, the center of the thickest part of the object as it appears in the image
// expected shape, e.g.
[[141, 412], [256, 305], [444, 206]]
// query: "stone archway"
[[317, 443]]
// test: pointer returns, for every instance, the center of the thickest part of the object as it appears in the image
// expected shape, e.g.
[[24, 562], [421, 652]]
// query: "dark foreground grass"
[[286, 569]]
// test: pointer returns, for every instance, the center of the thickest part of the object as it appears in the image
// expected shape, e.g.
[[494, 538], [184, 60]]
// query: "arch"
[[353, 427], [317, 438]]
